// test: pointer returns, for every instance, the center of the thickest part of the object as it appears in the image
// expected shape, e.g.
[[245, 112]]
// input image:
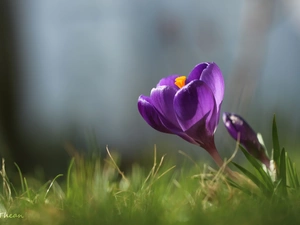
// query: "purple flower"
[[240, 130], [187, 106]]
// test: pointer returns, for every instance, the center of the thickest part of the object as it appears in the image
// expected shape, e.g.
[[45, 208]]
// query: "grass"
[[96, 191]]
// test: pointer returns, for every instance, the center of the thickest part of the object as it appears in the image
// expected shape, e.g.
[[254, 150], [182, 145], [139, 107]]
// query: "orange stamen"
[[180, 81]]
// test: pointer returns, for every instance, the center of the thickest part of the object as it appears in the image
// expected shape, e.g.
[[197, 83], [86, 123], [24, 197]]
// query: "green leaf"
[[255, 180], [275, 140], [258, 166], [282, 173], [246, 190], [292, 173], [297, 183]]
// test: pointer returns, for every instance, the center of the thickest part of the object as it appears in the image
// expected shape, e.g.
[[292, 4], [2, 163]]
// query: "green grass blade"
[[51, 184], [265, 177], [21, 177], [275, 140], [282, 173], [243, 189], [69, 177], [254, 179], [292, 176], [27, 189], [290, 172], [297, 183]]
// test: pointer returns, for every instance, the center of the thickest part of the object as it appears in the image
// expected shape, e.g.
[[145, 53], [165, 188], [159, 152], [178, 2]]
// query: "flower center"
[[180, 81]]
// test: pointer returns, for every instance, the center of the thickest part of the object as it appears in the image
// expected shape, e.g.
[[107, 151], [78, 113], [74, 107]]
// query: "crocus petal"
[[213, 120], [238, 128], [199, 131], [150, 114], [212, 76], [195, 74], [192, 103], [162, 99], [187, 138], [168, 81]]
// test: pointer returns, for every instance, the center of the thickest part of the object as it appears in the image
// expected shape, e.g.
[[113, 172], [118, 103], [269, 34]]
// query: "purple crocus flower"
[[187, 106], [240, 130]]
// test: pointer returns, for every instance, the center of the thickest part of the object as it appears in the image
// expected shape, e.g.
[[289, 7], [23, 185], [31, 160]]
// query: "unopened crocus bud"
[[240, 130]]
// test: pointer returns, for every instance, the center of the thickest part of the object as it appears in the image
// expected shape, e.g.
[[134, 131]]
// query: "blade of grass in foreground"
[[21, 177], [282, 173], [69, 177], [258, 166], [276, 146], [246, 190], [292, 174], [255, 180]]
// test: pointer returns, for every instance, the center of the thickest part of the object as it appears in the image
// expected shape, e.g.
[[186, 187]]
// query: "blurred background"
[[71, 72]]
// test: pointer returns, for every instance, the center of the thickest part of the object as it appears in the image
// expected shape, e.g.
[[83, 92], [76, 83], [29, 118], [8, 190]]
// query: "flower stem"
[[219, 161], [216, 156]]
